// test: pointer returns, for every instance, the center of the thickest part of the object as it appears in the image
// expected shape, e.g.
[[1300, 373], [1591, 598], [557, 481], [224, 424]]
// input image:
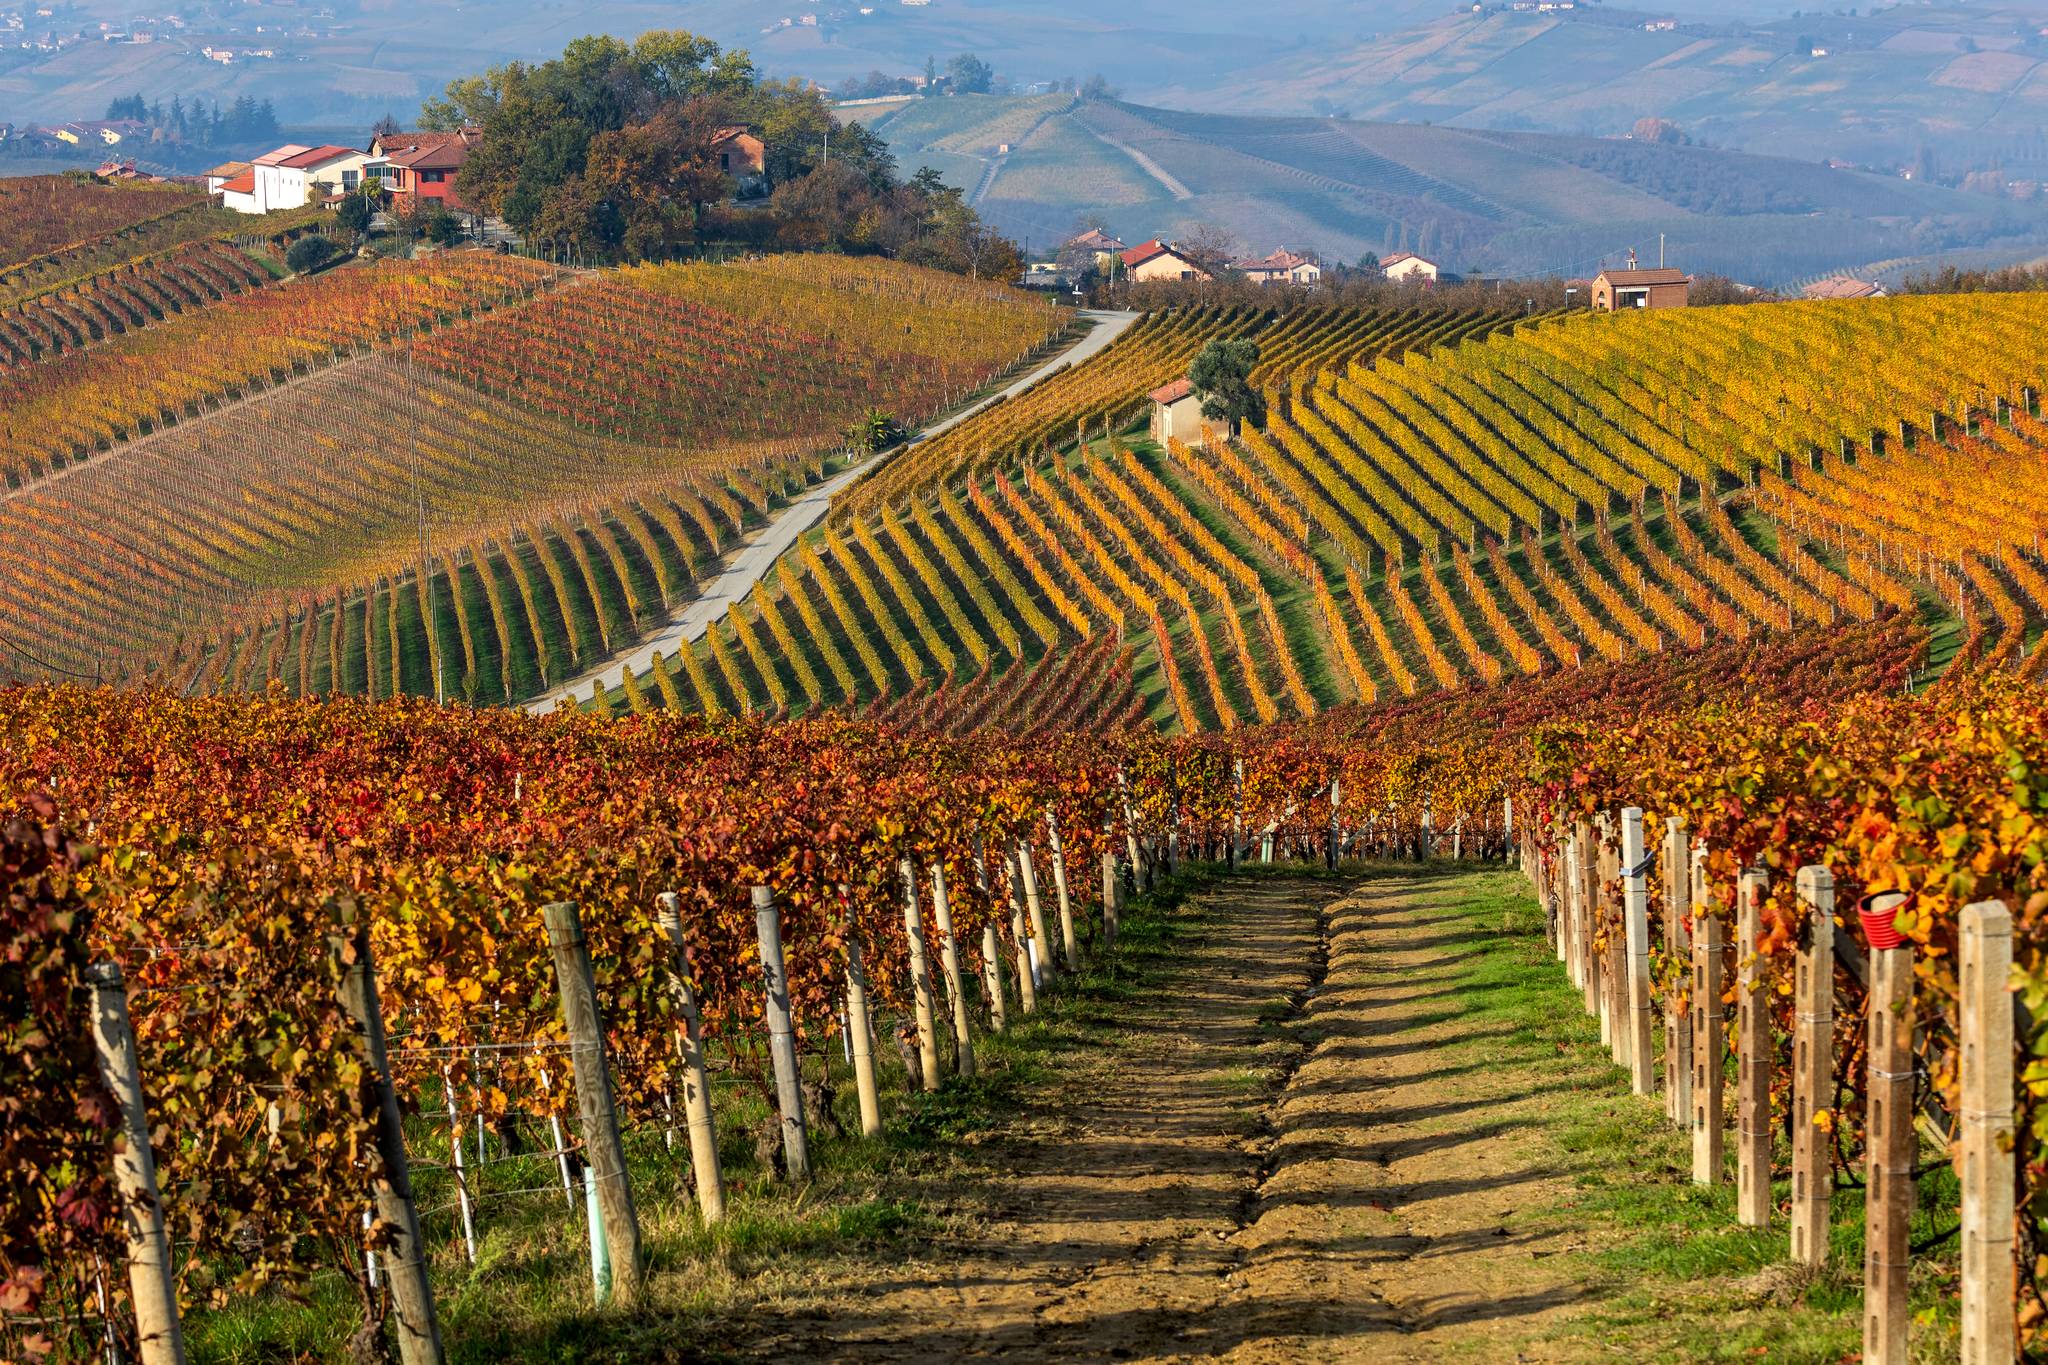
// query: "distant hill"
[[1968, 82], [1497, 202]]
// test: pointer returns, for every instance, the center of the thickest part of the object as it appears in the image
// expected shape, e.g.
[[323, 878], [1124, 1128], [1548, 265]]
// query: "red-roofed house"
[[221, 174], [1157, 260], [421, 167], [288, 177], [1843, 287], [1282, 267], [1634, 287], [739, 152], [238, 192]]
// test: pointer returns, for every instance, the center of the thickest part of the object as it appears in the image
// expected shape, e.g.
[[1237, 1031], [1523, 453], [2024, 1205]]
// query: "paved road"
[[743, 568]]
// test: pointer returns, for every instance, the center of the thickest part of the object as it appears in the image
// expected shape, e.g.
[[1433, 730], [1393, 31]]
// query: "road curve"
[[742, 568]]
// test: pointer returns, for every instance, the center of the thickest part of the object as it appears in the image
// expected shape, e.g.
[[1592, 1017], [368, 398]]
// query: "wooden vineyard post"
[[1041, 942], [1678, 940], [1613, 963], [860, 1037], [920, 979], [1753, 1061], [992, 978], [789, 1095], [405, 1258], [1986, 1123], [1709, 1036], [1568, 909], [1813, 1069], [949, 962], [1237, 849], [1027, 985], [1112, 899], [1589, 965], [151, 1287], [602, 1148], [1069, 947], [696, 1090], [1636, 907], [1330, 843], [1888, 1151]]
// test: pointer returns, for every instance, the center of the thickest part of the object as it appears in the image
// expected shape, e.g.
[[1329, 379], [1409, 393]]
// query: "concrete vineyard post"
[[789, 1095], [1813, 1069], [1709, 1038], [1109, 889], [1889, 1149], [405, 1257], [1027, 986], [1613, 963], [1568, 909], [1507, 829], [1678, 940], [860, 1038], [992, 978], [949, 962], [150, 1285], [460, 1170], [920, 979], [1070, 948], [602, 1148], [1330, 844], [1636, 906], [1041, 941], [1237, 850], [696, 1090], [1753, 1062], [1986, 1123]]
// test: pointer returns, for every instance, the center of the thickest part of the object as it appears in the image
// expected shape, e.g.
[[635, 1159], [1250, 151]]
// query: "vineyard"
[[65, 410], [44, 214], [1475, 515], [231, 828], [105, 306], [282, 539]]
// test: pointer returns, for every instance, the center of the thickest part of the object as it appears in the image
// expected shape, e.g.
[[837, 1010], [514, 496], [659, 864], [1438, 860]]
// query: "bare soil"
[[1282, 1154]]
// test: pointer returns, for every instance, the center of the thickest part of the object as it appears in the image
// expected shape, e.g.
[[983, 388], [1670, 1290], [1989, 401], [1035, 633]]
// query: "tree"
[[385, 127], [931, 75], [439, 226], [1209, 245], [354, 211], [309, 253], [873, 430], [1222, 375], [1096, 88], [970, 74]]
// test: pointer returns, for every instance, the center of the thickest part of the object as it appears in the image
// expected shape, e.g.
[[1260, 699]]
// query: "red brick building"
[[419, 168]]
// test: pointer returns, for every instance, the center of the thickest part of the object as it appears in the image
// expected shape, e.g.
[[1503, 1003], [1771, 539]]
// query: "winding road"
[[740, 569]]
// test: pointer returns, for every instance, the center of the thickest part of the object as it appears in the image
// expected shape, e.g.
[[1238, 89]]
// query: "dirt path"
[[1286, 1153]]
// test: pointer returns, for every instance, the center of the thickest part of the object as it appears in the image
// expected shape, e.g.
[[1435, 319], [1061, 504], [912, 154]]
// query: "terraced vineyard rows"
[[44, 214], [104, 306], [1577, 492], [62, 411], [247, 545], [1111, 387]]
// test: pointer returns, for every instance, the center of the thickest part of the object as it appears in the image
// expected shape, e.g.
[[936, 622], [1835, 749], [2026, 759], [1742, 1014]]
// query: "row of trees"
[[202, 123], [607, 151]]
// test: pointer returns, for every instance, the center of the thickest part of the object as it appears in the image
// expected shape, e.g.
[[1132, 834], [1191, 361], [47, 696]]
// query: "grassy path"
[[1292, 1118]]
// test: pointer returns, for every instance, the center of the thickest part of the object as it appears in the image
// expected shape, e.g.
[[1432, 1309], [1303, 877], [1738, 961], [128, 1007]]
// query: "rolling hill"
[[1497, 202]]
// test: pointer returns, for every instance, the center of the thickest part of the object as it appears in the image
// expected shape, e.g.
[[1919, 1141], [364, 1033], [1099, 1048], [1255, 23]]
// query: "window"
[[349, 180], [433, 177]]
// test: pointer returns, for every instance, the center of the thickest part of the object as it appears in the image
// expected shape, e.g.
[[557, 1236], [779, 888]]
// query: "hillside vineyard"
[[1566, 491], [566, 450]]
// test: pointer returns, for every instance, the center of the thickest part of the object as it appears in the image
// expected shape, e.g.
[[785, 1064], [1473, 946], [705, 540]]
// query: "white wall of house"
[[286, 187]]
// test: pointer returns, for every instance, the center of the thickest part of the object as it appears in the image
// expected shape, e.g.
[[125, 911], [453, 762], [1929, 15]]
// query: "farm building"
[[1097, 243], [1843, 287], [1282, 267], [1638, 288], [1406, 265], [285, 178], [739, 151], [1157, 260], [1177, 415]]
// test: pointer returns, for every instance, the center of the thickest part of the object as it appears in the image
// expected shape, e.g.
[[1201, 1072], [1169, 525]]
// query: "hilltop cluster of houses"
[[413, 170]]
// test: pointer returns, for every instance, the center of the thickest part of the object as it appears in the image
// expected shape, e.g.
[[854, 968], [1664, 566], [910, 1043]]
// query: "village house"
[[223, 173], [1406, 265], [1177, 416], [1282, 267], [1843, 287], [1633, 287], [417, 169], [1157, 260], [739, 152], [1097, 243], [289, 176]]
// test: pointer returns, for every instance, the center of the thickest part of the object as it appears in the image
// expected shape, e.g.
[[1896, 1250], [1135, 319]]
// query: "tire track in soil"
[[1283, 1157]]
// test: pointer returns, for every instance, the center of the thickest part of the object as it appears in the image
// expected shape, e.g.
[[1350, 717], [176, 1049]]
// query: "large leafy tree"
[[1222, 376]]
